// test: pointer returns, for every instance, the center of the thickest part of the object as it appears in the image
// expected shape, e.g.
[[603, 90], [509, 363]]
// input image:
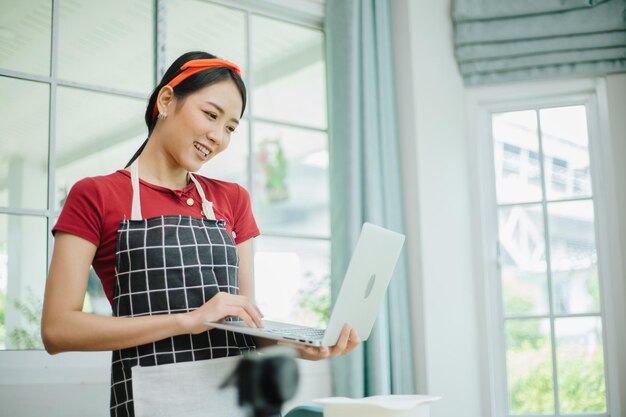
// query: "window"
[[548, 323], [549, 276], [76, 110]]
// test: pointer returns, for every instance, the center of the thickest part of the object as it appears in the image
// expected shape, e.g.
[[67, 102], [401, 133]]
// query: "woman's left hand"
[[348, 341]]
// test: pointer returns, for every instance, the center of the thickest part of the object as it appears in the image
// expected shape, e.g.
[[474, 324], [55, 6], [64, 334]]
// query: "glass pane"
[[574, 261], [232, 164], [529, 366], [22, 280], [25, 33], [516, 157], [566, 152], [292, 279], [97, 134], [24, 143], [580, 365], [289, 72], [523, 260], [96, 301], [291, 180], [195, 25], [95, 298], [107, 43]]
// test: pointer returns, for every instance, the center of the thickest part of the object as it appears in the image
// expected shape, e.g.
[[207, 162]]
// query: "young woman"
[[173, 249]]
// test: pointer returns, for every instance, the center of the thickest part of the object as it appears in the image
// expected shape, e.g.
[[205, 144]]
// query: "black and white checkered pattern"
[[164, 265]]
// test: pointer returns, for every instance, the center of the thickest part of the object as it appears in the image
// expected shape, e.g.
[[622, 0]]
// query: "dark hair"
[[189, 85]]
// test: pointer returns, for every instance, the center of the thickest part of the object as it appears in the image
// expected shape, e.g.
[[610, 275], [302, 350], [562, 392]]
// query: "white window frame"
[[481, 103], [37, 367]]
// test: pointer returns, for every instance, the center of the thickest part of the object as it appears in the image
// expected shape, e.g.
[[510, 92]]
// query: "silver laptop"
[[361, 295]]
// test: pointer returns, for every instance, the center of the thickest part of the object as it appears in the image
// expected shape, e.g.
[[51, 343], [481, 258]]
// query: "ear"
[[165, 99]]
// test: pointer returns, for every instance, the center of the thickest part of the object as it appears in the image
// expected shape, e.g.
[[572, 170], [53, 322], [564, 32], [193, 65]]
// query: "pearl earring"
[[162, 115]]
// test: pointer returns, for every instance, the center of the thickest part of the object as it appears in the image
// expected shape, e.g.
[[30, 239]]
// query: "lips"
[[202, 149]]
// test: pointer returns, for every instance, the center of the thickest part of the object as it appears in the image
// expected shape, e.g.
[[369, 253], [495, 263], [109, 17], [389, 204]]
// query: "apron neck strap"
[[134, 178], [207, 206]]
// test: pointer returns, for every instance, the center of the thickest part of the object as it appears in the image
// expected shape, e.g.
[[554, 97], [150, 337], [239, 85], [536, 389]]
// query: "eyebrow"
[[221, 110]]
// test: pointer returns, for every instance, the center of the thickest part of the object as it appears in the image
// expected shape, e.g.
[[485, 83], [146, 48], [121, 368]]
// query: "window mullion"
[[52, 115], [546, 231], [251, 120], [159, 39]]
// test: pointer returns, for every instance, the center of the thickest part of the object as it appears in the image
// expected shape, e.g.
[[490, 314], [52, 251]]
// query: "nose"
[[216, 136]]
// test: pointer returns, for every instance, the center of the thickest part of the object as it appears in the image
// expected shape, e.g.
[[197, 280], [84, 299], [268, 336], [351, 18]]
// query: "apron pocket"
[[187, 389]]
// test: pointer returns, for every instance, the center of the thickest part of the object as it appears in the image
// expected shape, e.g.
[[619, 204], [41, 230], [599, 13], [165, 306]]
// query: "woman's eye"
[[211, 114], [231, 129]]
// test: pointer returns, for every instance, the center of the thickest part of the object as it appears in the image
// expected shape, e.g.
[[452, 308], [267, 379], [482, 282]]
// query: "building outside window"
[[548, 277], [74, 83]]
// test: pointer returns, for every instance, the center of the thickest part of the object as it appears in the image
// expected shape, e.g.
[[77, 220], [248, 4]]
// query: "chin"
[[194, 164], [191, 166]]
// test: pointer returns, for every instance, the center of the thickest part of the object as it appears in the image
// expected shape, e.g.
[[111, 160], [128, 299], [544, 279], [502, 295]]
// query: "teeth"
[[202, 149]]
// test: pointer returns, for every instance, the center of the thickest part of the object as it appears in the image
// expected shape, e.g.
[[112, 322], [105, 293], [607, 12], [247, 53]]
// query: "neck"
[[159, 168]]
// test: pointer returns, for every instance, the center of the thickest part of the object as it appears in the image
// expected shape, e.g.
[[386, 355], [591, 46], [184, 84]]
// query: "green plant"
[[593, 288], [315, 298], [517, 304], [581, 383], [277, 170], [522, 335], [580, 378], [2, 308], [28, 337], [271, 157], [531, 391]]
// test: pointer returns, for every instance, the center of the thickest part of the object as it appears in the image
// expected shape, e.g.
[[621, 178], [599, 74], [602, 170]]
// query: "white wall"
[[615, 117], [436, 183], [33, 383], [616, 97]]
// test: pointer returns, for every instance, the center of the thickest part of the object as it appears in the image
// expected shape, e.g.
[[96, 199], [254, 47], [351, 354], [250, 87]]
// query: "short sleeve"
[[82, 212], [244, 226]]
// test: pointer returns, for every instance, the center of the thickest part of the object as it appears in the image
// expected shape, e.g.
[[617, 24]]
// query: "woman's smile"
[[203, 151]]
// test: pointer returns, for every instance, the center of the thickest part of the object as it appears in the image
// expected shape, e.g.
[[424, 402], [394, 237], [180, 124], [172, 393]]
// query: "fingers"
[[248, 312], [251, 320], [313, 353], [258, 311], [224, 305], [321, 352], [342, 342], [353, 341], [347, 342]]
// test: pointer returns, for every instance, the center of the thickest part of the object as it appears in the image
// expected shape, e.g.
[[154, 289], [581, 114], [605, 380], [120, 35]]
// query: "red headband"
[[195, 66]]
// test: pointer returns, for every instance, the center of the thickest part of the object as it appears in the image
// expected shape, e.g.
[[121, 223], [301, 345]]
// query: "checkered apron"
[[164, 265]]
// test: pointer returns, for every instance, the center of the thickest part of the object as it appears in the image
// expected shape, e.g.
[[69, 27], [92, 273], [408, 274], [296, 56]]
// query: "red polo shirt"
[[95, 206]]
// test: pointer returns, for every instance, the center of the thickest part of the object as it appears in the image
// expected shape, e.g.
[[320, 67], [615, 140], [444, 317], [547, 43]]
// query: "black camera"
[[265, 380]]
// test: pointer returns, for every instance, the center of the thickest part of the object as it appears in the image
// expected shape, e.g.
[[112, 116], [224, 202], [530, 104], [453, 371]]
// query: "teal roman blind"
[[509, 40]]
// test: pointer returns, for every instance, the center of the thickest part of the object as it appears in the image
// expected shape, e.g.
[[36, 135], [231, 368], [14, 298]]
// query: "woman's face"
[[200, 125]]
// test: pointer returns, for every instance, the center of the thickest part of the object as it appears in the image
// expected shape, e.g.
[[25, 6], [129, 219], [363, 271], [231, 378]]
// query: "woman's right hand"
[[220, 306]]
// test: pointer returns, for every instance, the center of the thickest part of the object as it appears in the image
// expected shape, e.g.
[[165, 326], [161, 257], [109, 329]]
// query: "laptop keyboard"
[[287, 329], [300, 332], [304, 332]]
